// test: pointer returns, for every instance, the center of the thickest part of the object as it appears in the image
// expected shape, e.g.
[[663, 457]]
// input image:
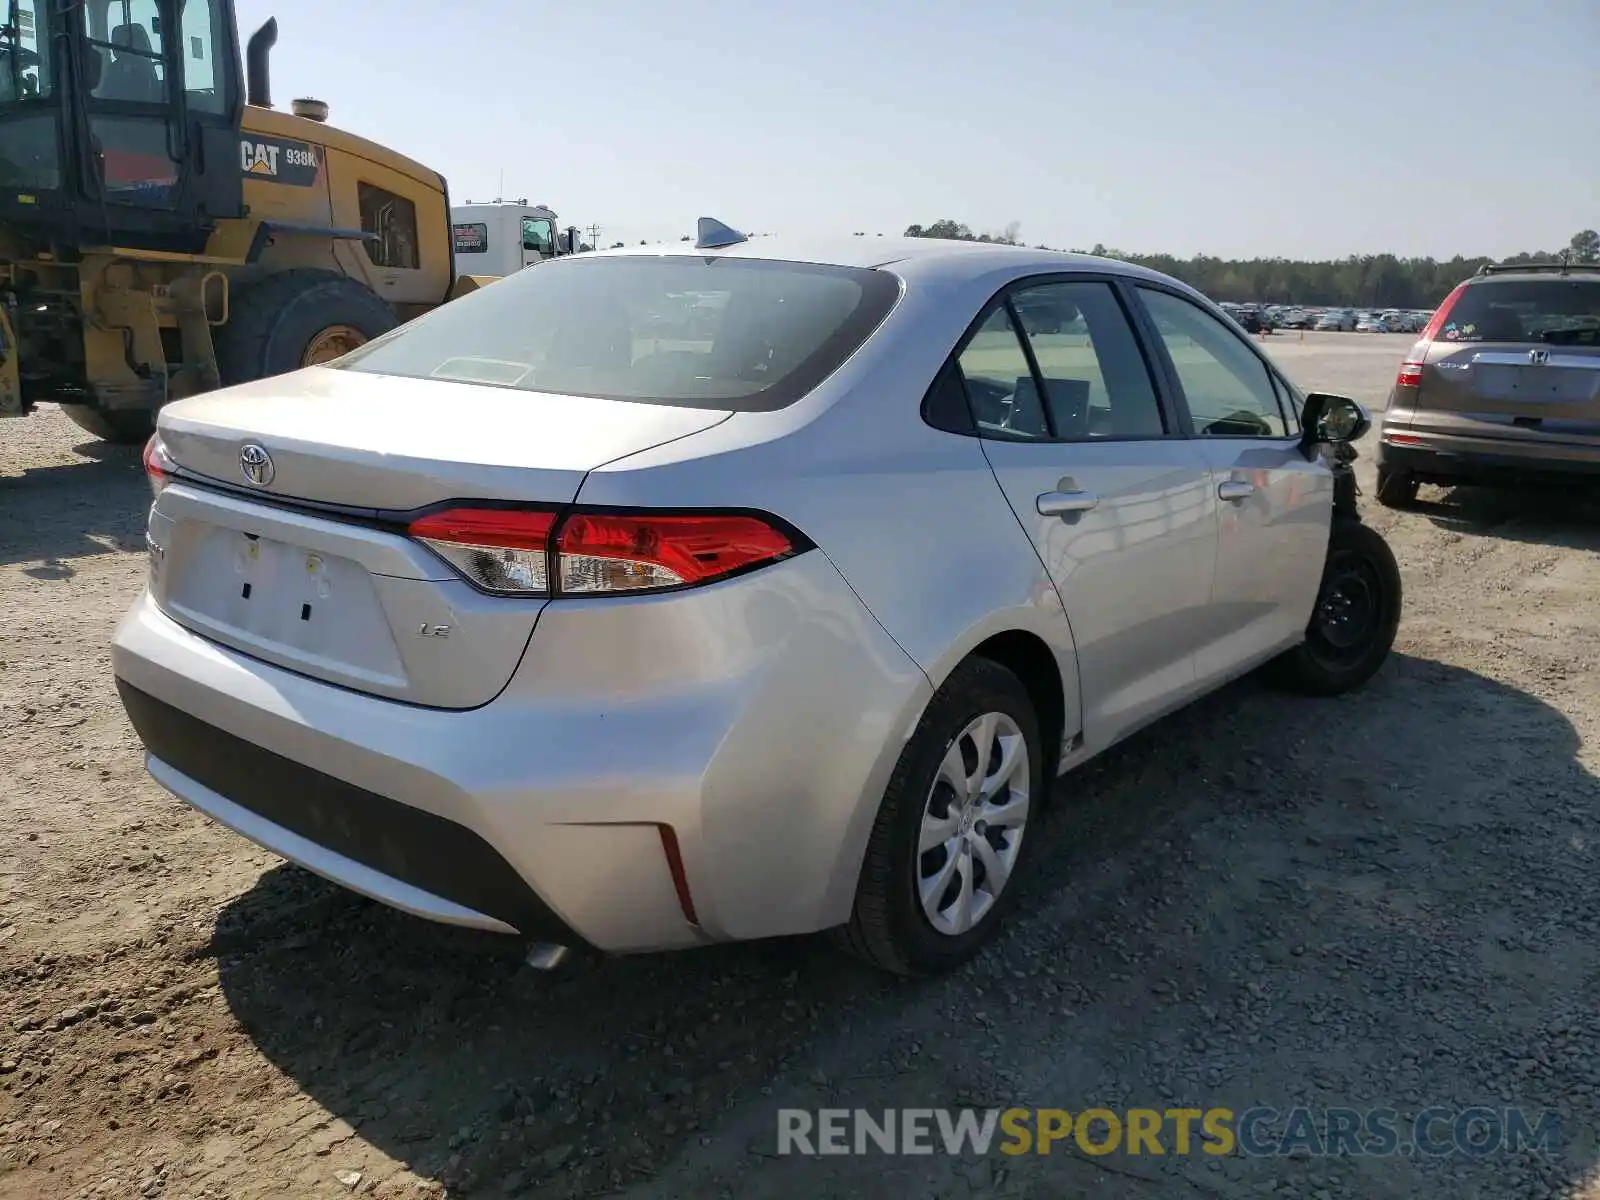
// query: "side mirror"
[[1330, 420]]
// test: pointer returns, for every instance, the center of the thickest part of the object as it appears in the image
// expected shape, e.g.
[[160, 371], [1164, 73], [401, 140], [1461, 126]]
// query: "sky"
[[1237, 128]]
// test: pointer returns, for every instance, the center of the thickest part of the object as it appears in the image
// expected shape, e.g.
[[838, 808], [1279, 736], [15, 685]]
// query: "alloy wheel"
[[973, 823]]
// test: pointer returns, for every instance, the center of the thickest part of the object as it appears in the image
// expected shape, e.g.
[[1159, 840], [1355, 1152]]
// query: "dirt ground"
[[1390, 899]]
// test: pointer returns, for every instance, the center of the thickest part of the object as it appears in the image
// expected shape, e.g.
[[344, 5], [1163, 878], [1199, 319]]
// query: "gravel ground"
[[1389, 899]]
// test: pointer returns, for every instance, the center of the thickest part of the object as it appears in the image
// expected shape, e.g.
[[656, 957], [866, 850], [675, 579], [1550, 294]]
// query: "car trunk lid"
[[310, 569], [382, 442]]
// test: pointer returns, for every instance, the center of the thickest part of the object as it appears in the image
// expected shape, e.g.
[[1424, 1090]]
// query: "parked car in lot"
[[1339, 319], [1504, 385], [1251, 319], [518, 620], [1372, 323]]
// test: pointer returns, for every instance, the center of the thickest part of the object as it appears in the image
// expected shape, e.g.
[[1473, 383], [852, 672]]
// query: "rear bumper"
[[410, 858], [757, 721], [1447, 458]]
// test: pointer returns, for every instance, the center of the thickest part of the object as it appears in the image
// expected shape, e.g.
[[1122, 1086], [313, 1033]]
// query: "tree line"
[[1361, 280]]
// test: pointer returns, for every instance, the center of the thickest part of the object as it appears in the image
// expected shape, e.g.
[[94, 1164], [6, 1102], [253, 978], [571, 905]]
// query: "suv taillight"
[[539, 552], [1411, 370], [158, 464]]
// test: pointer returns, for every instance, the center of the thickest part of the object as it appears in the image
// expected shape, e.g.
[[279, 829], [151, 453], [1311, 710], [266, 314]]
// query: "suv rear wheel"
[[1396, 488]]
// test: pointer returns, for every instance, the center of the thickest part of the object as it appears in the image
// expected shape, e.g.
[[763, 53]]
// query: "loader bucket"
[[469, 283]]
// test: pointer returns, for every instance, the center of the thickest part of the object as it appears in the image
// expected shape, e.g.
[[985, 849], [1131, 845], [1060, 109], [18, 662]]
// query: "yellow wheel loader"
[[165, 231]]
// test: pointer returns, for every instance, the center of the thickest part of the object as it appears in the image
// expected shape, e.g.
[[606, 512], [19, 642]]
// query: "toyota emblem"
[[256, 464]]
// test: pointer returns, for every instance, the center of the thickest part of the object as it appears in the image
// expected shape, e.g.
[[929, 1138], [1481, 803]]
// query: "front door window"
[[538, 236], [130, 126], [201, 51], [30, 158], [1226, 386], [125, 37]]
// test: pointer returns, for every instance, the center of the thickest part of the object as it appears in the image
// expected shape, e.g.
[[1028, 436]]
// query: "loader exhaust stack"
[[257, 71]]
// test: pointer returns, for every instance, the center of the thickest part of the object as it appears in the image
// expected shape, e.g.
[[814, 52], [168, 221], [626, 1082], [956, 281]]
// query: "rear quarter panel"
[[912, 516]]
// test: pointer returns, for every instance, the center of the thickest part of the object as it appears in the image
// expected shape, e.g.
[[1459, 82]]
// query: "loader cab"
[[119, 121]]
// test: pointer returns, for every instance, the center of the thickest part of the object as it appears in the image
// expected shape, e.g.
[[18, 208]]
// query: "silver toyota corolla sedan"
[[663, 597]]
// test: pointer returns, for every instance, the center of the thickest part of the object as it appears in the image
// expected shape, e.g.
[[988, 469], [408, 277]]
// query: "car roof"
[[930, 260]]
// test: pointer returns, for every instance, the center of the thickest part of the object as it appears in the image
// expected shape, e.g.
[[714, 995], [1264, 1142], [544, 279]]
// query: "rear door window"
[[1558, 311], [1096, 382], [751, 335]]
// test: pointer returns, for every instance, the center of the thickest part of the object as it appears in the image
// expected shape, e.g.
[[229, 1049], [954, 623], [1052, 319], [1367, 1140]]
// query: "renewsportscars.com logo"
[[1258, 1132]]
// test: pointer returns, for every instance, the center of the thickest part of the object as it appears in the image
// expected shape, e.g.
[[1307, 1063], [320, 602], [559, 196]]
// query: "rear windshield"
[[1560, 311], [751, 335]]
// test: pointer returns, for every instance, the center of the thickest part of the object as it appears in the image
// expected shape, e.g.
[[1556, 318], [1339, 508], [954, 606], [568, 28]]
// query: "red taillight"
[[608, 552], [158, 464], [504, 550], [1411, 370], [523, 552]]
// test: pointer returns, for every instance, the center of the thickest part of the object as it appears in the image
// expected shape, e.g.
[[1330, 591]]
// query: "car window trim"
[[1286, 399], [1171, 368], [1155, 352], [1039, 387], [1175, 420]]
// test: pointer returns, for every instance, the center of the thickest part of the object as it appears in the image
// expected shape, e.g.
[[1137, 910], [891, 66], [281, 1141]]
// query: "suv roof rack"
[[1551, 268]]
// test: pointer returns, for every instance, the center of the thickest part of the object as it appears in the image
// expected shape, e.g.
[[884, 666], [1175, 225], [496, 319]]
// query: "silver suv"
[[1504, 385]]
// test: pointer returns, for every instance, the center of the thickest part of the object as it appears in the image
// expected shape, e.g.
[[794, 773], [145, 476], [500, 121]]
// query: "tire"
[[889, 926], [273, 323], [1396, 488], [1344, 648], [123, 427]]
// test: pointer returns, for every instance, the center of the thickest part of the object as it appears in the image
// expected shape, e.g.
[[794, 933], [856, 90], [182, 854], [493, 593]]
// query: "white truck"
[[501, 237]]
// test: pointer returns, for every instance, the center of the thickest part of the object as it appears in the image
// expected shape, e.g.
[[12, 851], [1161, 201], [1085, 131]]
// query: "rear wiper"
[[1586, 336]]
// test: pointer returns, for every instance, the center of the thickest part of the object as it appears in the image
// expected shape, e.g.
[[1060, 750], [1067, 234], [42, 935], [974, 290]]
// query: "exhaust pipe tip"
[[546, 956], [257, 70]]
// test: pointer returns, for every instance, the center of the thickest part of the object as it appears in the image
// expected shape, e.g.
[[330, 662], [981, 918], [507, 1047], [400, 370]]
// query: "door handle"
[[1059, 504], [1235, 489]]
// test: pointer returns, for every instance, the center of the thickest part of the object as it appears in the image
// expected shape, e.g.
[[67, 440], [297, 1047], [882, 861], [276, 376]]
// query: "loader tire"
[[123, 427], [296, 319]]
